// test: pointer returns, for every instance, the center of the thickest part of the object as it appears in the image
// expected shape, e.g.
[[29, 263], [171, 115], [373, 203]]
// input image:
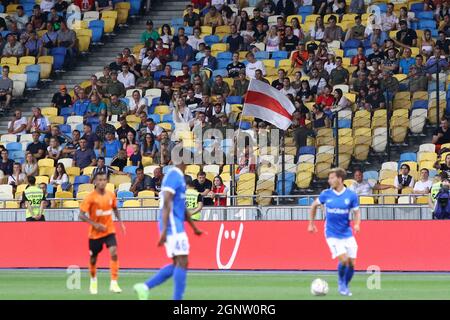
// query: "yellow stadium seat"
[[312, 18], [49, 111], [150, 203], [86, 187], [11, 8], [146, 194], [122, 15], [12, 205], [109, 14], [46, 171], [21, 188], [118, 179], [56, 119], [162, 109], [122, 6], [110, 24], [9, 61], [88, 170], [71, 204], [46, 163], [80, 24], [269, 63], [73, 171], [132, 204], [218, 47], [223, 29], [206, 30], [366, 200], [110, 187], [422, 200], [63, 195], [82, 195], [166, 126], [27, 60]]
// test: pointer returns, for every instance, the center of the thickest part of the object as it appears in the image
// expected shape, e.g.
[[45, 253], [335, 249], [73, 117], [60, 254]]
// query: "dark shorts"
[[96, 245], [32, 219]]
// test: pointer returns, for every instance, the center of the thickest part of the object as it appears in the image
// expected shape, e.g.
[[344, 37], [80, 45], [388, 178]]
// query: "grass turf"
[[51, 284]]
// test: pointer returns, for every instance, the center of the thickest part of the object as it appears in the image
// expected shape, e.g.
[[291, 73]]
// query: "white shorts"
[[177, 245], [346, 246]]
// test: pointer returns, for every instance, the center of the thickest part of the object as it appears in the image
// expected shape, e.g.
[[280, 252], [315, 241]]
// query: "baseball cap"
[[149, 22]]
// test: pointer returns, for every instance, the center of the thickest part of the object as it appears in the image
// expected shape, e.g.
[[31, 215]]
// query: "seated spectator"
[[220, 87], [67, 38], [356, 32], [72, 145], [404, 179], [124, 128], [340, 101], [102, 5], [423, 186], [196, 39], [339, 75], [375, 100], [204, 187], [80, 107], [103, 168], [60, 178], [37, 148], [364, 187], [443, 167], [141, 182], [96, 107], [235, 66], [213, 18], [361, 82], [34, 46], [287, 88], [377, 54], [246, 163], [443, 43], [95, 87], [49, 38], [111, 145], [151, 61], [304, 93], [442, 134], [268, 8], [192, 102], [116, 107], [19, 17], [333, 32], [128, 143], [184, 52], [149, 33], [405, 37], [149, 146], [54, 18], [428, 44], [406, 62], [156, 181], [389, 85], [319, 118], [285, 8], [54, 149], [391, 63], [136, 104], [6, 88], [115, 86], [38, 123], [259, 76], [254, 65], [257, 18], [181, 113], [126, 77], [325, 99], [103, 128], [84, 157], [358, 57], [208, 61], [136, 157], [120, 160], [235, 40], [316, 82], [61, 99], [219, 192], [30, 167], [6, 164], [117, 65], [17, 177], [145, 82], [290, 40], [105, 79], [191, 18], [18, 124], [248, 35]]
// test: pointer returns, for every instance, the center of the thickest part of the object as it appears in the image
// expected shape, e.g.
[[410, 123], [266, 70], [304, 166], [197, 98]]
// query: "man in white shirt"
[[423, 186], [18, 124], [287, 88], [253, 65], [153, 128], [364, 187], [195, 40], [389, 20], [126, 77], [151, 61]]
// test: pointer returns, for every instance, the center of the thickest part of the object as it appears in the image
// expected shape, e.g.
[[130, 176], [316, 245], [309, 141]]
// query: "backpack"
[[442, 208]]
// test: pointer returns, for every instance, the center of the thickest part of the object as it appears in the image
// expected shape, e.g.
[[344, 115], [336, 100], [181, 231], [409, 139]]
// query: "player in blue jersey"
[[172, 215], [338, 203]]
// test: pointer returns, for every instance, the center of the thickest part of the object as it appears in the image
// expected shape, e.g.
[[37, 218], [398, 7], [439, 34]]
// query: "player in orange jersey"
[[97, 209]]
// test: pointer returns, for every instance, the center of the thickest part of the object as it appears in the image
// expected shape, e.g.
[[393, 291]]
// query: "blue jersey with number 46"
[[173, 182], [338, 207]]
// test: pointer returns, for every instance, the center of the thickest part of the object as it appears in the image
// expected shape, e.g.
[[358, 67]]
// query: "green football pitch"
[[234, 285]]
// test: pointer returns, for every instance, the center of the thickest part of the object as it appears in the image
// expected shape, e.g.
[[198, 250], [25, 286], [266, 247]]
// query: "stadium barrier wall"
[[238, 245]]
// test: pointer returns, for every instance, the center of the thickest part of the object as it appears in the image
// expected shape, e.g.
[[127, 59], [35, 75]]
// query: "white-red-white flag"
[[267, 103]]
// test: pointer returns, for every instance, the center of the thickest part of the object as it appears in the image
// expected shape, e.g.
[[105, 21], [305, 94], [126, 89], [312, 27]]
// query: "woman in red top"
[[219, 192]]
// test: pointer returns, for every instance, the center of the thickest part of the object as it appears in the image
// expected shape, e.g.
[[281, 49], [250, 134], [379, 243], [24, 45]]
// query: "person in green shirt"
[[116, 107], [436, 187], [149, 33], [194, 202], [34, 199]]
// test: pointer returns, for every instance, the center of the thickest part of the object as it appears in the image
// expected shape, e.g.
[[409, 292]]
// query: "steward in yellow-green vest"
[[194, 201], [33, 197]]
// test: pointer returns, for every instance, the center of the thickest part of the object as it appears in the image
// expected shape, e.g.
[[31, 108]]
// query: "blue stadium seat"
[[65, 128], [289, 178], [176, 65], [17, 155], [305, 201], [420, 104], [245, 125], [370, 175], [351, 43], [177, 21], [189, 31], [79, 180], [345, 123], [97, 27], [158, 74], [305, 9], [5, 33], [155, 117], [167, 118], [108, 161], [131, 170], [222, 64], [123, 194], [211, 39], [261, 55], [14, 146], [33, 72], [219, 72], [59, 54], [307, 150], [416, 7], [234, 99], [425, 15], [135, 7], [407, 156], [427, 24], [279, 55], [225, 56], [350, 52], [2, 8]]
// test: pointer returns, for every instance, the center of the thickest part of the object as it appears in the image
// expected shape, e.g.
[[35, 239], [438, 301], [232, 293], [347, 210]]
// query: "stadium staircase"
[[100, 56]]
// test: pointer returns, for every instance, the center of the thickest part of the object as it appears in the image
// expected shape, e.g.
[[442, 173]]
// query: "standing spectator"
[[219, 192], [253, 65], [6, 164], [203, 186], [37, 148], [61, 99], [38, 123], [84, 157], [18, 124], [30, 167], [34, 199]]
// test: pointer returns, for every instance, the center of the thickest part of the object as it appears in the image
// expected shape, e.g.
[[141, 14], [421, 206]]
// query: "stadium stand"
[[364, 94]]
